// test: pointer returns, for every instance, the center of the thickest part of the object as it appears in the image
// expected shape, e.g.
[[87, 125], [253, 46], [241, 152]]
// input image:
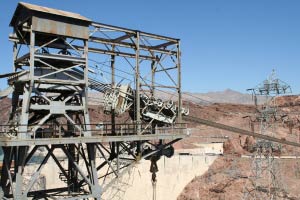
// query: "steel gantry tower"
[[264, 180], [58, 57]]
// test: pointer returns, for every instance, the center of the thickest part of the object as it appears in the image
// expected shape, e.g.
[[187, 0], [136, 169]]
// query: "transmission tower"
[[265, 179]]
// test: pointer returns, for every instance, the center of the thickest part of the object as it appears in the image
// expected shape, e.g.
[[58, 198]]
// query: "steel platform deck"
[[5, 141]]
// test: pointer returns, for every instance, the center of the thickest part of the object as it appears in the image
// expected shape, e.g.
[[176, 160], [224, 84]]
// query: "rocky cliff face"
[[227, 177]]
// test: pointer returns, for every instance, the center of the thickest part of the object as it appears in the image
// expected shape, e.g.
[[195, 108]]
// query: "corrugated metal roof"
[[53, 11]]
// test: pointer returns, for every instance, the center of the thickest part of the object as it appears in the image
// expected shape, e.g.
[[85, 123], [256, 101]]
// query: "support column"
[[20, 158], [6, 179], [22, 132], [72, 172], [95, 188], [153, 69], [87, 131], [113, 87], [114, 145], [137, 83], [179, 83], [15, 52], [15, 97], [27, 91], [153, 72], [137, 93]]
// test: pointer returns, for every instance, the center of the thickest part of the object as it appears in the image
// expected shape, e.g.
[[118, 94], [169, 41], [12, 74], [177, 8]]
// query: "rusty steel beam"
[[130, 45], [93, 50], [122, 54], [124, 37], [130, 31], [164, 45]]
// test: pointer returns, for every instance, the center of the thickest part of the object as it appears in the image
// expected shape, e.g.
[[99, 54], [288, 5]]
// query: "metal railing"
[[100, 129]]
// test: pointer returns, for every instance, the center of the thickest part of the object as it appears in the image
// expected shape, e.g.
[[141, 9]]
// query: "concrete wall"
[[174, 174]]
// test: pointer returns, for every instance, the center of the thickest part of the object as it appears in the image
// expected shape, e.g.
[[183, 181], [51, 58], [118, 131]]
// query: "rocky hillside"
[[229, 176], [227, 179]]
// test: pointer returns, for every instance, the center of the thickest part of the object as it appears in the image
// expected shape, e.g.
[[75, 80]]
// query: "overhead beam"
[[130, 45], [130, 31], [122, 54], [114, 28], [102, 51], [124, 37], [164, 45], [100, 139]]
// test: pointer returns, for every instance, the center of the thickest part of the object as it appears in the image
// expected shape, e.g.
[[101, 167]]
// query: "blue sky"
[[225, 44]]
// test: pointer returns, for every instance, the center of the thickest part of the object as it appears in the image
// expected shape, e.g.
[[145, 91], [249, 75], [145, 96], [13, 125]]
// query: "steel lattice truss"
[[58, 58], [265, 179]]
